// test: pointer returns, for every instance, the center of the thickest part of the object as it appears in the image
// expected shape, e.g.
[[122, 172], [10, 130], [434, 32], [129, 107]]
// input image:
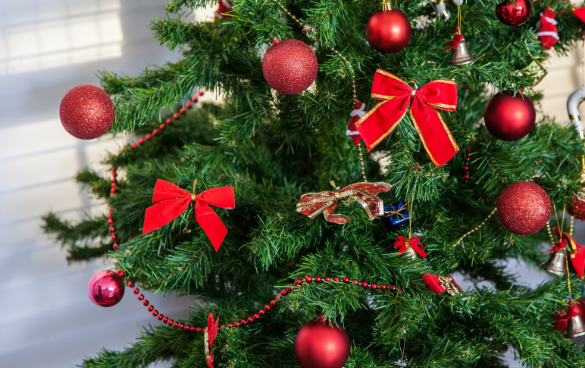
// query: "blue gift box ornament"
[[395, 216]]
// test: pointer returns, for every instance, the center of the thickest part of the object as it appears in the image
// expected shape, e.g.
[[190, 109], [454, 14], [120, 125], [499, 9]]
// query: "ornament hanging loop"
[[386, 5]]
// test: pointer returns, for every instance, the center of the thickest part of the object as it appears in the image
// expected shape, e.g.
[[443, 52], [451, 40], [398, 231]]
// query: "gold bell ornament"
[[411, 248], [557, 261], [460, 54], [575, 326]]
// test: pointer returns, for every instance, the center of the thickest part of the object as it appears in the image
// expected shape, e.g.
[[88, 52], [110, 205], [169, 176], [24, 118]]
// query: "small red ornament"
[[524, 208], [509, 118], [577, 207], [514, 12], [106, 288], [548, 33], [388, 30], [86, 112], [290, 66], [320, 345], [224, 9]]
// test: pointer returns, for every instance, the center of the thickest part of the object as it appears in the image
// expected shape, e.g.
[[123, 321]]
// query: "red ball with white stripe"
[[357, 113]]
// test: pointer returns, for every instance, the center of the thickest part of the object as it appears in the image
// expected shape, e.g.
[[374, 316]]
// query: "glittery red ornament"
[[320, 345], [290, 66], [514, 12], [577, 207], [524, 207], [106, 288], [388, 30], [509, 118], [86, 112]]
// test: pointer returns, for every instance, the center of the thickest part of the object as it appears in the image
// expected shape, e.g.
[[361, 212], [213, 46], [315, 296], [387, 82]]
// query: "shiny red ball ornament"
[[388, 30], [320, 345], [86, 112], [524, 208], [514, 12], [106, 288], [290, 66], [577, 207], [509, 118]]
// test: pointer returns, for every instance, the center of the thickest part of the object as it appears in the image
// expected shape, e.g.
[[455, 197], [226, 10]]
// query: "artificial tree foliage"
[[272, 148]]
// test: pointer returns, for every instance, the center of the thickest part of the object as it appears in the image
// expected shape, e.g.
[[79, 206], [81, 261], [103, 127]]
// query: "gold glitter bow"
[[313, 204]]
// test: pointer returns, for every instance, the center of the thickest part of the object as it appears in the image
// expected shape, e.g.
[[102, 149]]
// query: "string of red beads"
[[141, 141], [284, 292]]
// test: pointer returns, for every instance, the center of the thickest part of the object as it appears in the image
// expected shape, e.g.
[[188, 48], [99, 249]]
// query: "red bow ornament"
[[313, 204], [357, 113], [577, 251], [171, 201], [402, 243], [210, 335], [548, 34], [454, 43], [395, 94]]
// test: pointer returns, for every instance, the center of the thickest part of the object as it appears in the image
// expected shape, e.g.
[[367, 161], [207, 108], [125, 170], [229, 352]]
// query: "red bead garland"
[[284, 292], [155, 313]]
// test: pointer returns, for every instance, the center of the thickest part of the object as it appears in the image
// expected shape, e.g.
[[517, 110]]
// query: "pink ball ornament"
[[106, 288]]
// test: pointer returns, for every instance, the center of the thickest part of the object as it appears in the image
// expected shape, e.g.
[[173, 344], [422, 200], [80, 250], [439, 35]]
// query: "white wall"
[[46, 48]]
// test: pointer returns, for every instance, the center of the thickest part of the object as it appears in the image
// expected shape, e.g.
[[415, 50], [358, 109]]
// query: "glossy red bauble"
[[106, 288], [524, 208], [290, 66], [577, 207], [514, 12], [86, 112], [388, 30], [320, 345], [509, 118]]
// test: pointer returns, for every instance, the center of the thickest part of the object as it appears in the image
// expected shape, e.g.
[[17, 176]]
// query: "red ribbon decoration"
[[580, 13], [210, 335], [558, 245], [414, 243], [441, 284], [313, 204], [457, 38], [395, 94], [577, 251], [171, 201]]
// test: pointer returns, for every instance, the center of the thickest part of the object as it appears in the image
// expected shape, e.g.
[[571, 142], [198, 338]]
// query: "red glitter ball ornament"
[[86, 112], [514, 12], [290, 66], [388, 30], [524, 208], [106, 288], [509, 118], [320, 345], [577, 207]]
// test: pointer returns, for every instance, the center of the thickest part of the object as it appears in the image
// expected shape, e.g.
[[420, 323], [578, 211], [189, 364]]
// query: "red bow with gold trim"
[[577, 251], [171, 201], [313, 204], [395, 94], [414, 243]]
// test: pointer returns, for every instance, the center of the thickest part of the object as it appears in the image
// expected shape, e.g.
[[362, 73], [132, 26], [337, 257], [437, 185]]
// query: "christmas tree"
[[410, 126]]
